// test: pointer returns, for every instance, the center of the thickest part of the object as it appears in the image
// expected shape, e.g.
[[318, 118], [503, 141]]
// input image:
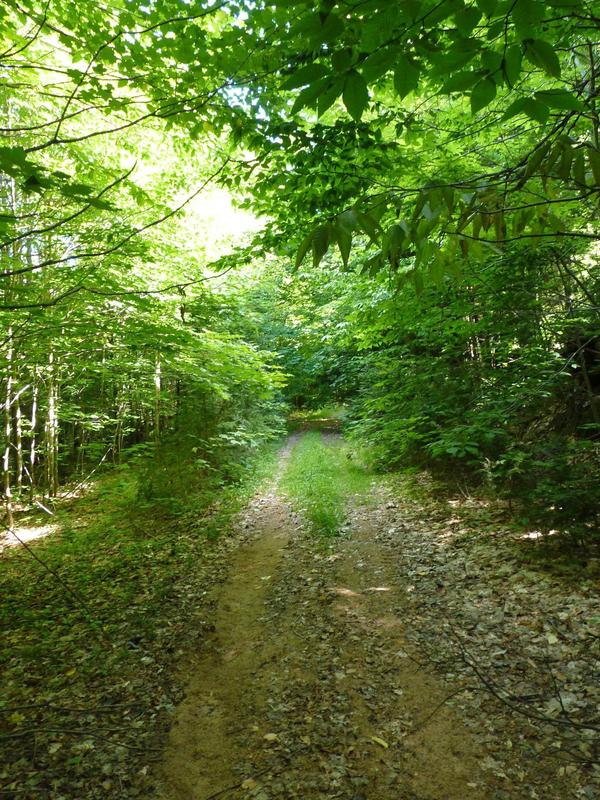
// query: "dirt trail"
[[307, 687], [203, 743]]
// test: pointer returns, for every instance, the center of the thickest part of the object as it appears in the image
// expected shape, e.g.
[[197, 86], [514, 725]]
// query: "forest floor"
[[324, 633], [413, 657]]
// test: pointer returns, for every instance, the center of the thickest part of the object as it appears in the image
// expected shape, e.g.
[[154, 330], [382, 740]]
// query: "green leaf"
[[449, 198], [77, 189], [12, 155], [327, 98], [537, 110], [304, 76], [543, 55], [487, 6], [394, 240], [13, 160], [561, 99], [491, 61], [564, 167], [320, 243], [417, 279], [535, 159], [526, 16], [482, 95], [348, 220], [406, 76], [369, 226], [310, 95], [460, 82], [579, 168], [344, 241], [467, 18], [534, 109], [332, 29], [378, 63], [594, 159], [452, 59], [355, 95], [341, 60], [33, 184], [303, 250], [511, 64], [552, 158], [98, 203]]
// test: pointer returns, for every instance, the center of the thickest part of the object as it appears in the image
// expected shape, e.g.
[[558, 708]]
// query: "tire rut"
[[307, 688]]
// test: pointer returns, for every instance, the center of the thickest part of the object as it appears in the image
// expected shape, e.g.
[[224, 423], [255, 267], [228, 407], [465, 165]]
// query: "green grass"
[[320, 477]]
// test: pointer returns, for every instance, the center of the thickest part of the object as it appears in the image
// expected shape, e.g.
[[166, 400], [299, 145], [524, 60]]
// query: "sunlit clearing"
[[28, 534]]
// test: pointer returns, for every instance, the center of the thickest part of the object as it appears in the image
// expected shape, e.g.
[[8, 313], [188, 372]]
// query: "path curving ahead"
[[307, 688]]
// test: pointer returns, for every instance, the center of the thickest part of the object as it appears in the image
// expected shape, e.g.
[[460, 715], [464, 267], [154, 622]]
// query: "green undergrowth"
[[323, 473], [87, 638]]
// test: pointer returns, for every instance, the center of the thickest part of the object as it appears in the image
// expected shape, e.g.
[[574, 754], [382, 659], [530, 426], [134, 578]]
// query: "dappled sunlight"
[[68, 493], [26, 534], [534, 535], [342, 591]]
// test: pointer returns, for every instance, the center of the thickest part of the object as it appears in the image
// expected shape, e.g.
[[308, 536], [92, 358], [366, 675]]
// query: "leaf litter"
[[413, 658], [407, 660]]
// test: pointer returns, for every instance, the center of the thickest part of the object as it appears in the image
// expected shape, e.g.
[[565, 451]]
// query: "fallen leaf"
[[381, 742]]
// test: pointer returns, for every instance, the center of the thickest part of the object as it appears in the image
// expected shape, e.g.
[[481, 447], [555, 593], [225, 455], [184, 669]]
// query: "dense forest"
[[219, 216]]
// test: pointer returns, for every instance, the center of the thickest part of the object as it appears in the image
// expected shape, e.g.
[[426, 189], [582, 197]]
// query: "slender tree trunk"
[[6, 466], [567, 277], [592, 95], [51, 431], [80, 450], [592, 399], [177, 403], [157, 388], [118, 435], [7, 434], [33, 444], [19, 444]]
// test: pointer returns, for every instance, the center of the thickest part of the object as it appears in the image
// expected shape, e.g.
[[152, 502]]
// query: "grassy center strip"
[[321, 476]]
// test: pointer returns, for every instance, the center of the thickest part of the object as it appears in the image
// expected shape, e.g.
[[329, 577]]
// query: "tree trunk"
[[33, 445], [19, 444], [7, 434], [157, 388], [51, 431]]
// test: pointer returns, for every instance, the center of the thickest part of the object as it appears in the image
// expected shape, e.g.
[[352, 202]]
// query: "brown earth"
[[308, 687]]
